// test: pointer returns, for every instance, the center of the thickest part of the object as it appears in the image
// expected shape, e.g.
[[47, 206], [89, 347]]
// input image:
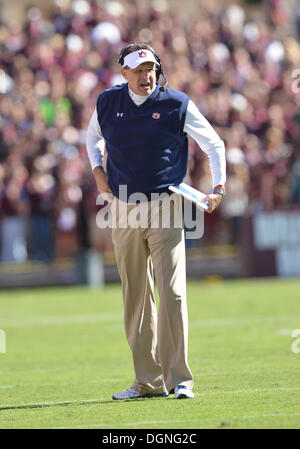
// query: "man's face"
[[142, 79]]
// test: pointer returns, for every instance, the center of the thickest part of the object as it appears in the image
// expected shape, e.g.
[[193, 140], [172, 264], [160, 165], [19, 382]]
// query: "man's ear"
[[124, 73]]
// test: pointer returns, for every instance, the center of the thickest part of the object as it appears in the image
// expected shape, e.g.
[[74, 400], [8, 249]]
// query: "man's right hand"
[[101, 179]]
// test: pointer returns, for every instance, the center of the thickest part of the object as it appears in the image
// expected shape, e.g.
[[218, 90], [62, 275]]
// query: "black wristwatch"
[[220, 190]]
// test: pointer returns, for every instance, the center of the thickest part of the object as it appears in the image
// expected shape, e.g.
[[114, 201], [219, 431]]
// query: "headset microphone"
[[164, 87], [159, 70]]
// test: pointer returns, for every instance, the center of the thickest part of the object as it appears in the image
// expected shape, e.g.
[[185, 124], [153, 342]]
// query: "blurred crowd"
[[241, 68]]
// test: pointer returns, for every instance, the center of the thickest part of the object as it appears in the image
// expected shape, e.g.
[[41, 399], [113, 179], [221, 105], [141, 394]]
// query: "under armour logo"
[[142, 54], [120, 114]]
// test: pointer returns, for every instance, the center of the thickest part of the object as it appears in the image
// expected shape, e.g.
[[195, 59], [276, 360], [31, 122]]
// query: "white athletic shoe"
[[131, 393], [183, 392]]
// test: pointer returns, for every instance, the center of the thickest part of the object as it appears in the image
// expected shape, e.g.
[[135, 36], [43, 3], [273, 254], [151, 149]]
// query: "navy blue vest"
[[146, 145]]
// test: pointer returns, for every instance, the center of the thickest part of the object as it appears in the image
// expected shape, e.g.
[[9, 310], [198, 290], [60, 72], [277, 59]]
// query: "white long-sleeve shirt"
[[195, 125]]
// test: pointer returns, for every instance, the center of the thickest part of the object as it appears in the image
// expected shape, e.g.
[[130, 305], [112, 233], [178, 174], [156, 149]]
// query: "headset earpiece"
[[159, 70]]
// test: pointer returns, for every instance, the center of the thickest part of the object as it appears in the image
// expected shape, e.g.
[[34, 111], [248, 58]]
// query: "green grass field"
[[66, 354]]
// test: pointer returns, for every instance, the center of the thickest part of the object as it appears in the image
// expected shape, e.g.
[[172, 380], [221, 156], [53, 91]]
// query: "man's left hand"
[[213, 200]]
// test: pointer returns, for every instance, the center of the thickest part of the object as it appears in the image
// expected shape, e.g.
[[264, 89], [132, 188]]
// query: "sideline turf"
[[66, 355]]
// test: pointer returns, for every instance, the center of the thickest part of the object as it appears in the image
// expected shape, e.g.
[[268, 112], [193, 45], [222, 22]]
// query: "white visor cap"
[[138, 57]]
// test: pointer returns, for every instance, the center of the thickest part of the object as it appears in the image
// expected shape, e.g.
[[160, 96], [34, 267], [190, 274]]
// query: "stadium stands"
[[241, 68]]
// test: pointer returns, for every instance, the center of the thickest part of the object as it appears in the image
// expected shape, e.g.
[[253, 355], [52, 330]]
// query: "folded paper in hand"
[[191, 194]]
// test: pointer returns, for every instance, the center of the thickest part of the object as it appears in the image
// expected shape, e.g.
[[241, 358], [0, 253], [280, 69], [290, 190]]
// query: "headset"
[[159, 69]]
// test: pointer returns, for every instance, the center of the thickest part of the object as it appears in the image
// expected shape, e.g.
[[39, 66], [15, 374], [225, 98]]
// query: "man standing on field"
[[145, 126]]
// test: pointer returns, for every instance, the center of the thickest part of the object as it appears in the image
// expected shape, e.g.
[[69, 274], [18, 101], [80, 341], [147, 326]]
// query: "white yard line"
[[129, 424], [254, 390], [204, 374], [200, 421], [48, 320], [240, 321], [42, 370], [74, 382], [48, 403], [86, 401]]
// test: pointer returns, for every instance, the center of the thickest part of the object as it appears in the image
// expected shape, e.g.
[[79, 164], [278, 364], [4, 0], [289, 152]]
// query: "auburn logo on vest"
[[155, 115]]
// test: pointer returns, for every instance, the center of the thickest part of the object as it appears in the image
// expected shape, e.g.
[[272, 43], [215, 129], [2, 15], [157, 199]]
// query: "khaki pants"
[[158, 341]]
